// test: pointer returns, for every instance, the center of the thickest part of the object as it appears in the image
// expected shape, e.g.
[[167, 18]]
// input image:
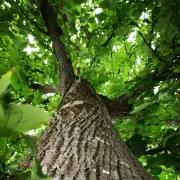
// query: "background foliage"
[[130, 47]]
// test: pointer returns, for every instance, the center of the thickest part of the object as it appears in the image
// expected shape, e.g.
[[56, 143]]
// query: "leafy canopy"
[[130, 47]]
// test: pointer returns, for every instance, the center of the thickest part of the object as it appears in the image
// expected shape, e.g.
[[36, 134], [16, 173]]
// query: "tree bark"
[[80, 141], [49, 16]]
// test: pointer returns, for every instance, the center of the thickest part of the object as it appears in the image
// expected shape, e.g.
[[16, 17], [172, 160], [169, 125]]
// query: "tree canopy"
[[122, 47]]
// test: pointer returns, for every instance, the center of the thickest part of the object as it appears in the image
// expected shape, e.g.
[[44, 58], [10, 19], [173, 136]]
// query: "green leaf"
[[174, 140], [169, 133], [177, 22], [24, 176], [37, 97], [5, 15], [136, 14], [5, 81], [105, 4], [165, 50], [2, 145], [1, 112], [14, 82], [108, 4], [138, 145], [102, 16], [156, 178], [91, 20], [2, 176], [162, 22], [154, 162], [78, 1], [22, 118], [156, 171], [75, 12], [85, 53], [31, 142], [138, 109], [133, 23]]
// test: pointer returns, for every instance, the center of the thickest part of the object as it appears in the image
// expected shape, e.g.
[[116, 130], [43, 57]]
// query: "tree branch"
[[109, 39], [117, 107], [149, 45], [49, 16], [44, 89], [41, 42]]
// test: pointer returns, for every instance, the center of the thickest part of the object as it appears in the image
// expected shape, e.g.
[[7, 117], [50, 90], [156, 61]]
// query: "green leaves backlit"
[[16, 119]]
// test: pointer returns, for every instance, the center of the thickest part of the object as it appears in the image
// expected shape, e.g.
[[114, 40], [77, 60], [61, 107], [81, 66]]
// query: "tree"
[[80, 141]]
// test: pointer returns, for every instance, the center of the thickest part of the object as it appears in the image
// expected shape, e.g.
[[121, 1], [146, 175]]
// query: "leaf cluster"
[[15, 120]]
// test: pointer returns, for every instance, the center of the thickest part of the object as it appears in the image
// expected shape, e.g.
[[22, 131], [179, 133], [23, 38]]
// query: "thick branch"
[[44, 89], [117, 107], [49, 15], [173, 123]]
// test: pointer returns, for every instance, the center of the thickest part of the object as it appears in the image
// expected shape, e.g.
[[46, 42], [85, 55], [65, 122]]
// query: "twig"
[[46, 46], [109, 39], [149, 45]]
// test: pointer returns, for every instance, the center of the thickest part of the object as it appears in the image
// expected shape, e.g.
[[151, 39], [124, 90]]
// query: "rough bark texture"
[[80, 141]]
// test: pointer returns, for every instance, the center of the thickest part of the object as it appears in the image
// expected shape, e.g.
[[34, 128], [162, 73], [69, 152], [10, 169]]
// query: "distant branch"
[[41, 42], [130, 53], [149, 45], [109, 39]]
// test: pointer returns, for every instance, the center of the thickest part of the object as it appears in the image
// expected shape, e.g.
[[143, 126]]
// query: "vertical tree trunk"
[[81, 143]]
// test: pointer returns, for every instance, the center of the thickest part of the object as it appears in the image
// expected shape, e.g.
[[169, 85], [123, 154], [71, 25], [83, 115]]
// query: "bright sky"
[[28, 49]]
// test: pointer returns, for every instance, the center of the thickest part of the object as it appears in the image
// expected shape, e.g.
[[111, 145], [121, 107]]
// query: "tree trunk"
[[81, 143]]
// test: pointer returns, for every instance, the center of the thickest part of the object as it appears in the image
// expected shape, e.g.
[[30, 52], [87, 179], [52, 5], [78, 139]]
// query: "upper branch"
[[109, 39], [49, 16]]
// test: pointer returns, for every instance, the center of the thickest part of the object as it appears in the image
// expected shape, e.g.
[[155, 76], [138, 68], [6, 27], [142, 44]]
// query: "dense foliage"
[[122, 47]]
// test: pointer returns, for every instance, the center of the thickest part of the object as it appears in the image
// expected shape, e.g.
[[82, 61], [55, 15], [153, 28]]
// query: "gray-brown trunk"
[[81, 143]]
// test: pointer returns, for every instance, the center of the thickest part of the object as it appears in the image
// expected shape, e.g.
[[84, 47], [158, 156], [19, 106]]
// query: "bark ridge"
[[81, 143]]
